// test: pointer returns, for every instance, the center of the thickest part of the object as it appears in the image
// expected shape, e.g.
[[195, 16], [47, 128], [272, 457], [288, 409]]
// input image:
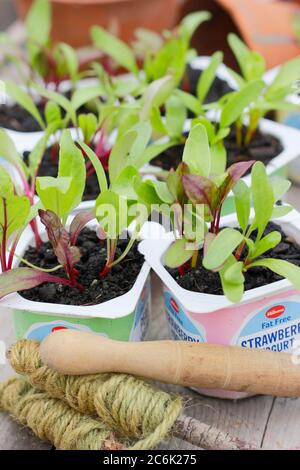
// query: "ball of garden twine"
[[52, 419], [127, 405]]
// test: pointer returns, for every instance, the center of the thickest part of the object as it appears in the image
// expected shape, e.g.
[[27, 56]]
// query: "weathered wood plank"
[[283, 427]]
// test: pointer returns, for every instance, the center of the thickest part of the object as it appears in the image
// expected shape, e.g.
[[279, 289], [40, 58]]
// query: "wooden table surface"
[[270, 423]]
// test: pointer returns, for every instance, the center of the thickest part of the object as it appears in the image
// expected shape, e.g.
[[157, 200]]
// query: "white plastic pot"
[[267, 317], [123, 318]]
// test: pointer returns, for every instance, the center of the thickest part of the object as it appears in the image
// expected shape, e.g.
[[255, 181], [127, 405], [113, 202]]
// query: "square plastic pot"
[[267, 317], [123, 318]]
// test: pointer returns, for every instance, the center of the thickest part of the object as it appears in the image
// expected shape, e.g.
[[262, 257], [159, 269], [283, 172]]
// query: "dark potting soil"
[[218, 88], [93, 257], [208, 282], [263, 147], [49, 167], [16, 118]]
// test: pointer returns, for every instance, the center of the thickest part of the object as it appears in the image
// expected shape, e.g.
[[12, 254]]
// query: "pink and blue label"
[[271, 322]]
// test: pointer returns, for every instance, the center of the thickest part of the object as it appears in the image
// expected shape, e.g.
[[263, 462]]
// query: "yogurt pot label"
[[274, 327], [141, 320], [181, 326]]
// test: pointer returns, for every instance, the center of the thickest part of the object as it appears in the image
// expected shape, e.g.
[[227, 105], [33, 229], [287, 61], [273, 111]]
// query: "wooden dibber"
[[189, 364]]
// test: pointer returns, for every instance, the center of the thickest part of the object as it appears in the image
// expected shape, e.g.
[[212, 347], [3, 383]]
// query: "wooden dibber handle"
[[189, 364]]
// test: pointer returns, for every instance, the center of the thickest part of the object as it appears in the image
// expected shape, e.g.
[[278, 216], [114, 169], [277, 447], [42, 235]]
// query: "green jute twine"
[[129, 406], [53, 420]]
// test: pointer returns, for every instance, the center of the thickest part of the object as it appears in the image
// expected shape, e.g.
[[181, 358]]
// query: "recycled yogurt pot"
[[123, 318], [268, 317]]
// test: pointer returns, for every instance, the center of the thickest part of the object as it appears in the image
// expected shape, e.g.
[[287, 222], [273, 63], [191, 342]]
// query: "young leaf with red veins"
[[200, 190], [66, 254], [78, 224], [234, 173], [19, 279]]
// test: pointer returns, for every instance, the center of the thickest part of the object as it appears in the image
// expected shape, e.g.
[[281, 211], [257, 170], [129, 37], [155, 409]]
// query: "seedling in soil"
[[58, 196], [15, 214], [229, 251], [171, 57], [273, 96]]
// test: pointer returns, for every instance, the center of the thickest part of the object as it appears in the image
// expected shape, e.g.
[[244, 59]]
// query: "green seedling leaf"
[[189, 101], [239, 100], [9, 152], [13, 214], [54, 194], [178, 253], [72, 165], [281, 267], [36, 155], [61, 100], [162, 190], [233, 290], [122, 185], [143, 131], [242, 204], [149, 153], [281, 211], [266, 243], [234, 274], [236, 77], [252, 64], [280, 187], [175, 182], [111, 213], [210, 128], [146, 192], [218, 158], [101, 176], [6, 185], [263, 197], [240, 51], [38, 26], [119, 156], [70, 60], [115, 48], [88, 124], [176, 115], [24, 100], [197, 152], [190, 23], [52, 113], [221, 248], [84, 95], [286, 76], [208, 75], [157, 121], [156, 94]]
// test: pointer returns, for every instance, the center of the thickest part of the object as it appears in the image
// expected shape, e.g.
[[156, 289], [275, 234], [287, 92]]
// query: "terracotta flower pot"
[[72, 19]]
